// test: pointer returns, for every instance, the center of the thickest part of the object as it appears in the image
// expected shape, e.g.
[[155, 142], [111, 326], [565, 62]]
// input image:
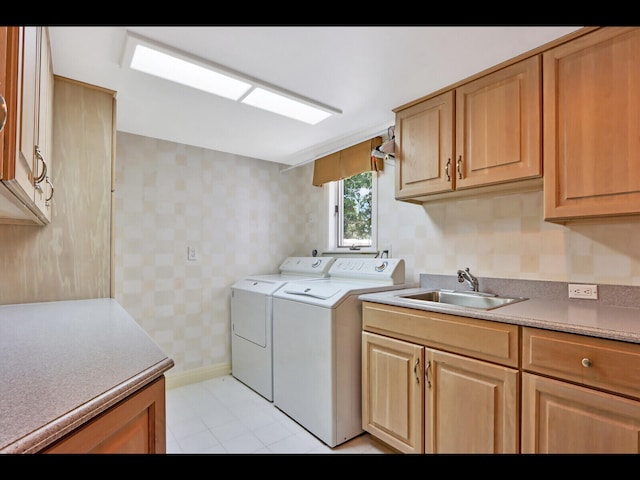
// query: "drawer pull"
[[586, 362]]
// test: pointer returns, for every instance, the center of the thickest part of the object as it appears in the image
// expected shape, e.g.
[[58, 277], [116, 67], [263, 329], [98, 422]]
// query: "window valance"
[[347, 163]]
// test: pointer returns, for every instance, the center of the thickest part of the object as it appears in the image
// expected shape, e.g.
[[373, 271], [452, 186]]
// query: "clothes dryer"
[[252, 319]]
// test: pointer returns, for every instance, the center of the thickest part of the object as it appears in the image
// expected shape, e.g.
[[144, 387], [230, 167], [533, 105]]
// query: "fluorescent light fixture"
[[170, 64], [160, 64], [276, 103]]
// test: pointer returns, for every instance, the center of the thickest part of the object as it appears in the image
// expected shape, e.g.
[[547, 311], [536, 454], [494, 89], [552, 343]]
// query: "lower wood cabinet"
[[559, 417], [592, 402], [420, 399], [393, 392], [437, 383], [471, 406], [135, 425]]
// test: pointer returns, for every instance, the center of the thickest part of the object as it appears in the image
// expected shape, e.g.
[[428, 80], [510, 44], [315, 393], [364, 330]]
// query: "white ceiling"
[[364, 71]]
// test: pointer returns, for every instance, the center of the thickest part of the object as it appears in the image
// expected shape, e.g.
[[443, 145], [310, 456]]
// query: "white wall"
[[505, 236], [244, 217]]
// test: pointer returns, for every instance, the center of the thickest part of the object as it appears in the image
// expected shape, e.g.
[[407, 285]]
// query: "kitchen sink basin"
[[483, 301]]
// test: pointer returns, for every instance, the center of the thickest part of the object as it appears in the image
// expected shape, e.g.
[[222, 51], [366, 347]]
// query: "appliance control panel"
[[387, 270], [307, 265]]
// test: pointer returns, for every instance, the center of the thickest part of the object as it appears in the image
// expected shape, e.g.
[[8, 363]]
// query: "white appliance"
[[317, 340], [252, 324]]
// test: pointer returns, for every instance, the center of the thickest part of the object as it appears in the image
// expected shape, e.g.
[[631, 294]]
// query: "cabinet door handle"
[[427, 368], [415, 370], [38, 179], [48, 199], [3, 112], [459, 167], [446, 170]]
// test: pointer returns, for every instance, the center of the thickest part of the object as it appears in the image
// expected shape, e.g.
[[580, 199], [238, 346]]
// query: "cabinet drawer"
[[607, 364], [499, 341]]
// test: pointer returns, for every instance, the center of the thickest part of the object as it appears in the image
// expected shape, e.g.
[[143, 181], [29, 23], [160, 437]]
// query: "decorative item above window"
[[347, 163], [388, 148]]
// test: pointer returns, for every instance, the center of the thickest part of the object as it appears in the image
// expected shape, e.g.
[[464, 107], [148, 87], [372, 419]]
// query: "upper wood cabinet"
[[26, 187], [424, 136], [44, 140], [5, 52], [484, 133], [591, 122]]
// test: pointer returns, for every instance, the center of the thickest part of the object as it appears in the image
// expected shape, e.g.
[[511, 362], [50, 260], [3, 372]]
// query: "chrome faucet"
[[465, 275]]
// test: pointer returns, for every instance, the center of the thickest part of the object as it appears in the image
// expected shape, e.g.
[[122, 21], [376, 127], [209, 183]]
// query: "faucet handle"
[[465, 275]]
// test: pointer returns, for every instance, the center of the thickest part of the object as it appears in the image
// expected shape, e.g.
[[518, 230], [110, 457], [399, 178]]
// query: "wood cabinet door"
[[424, 148], [4, 60], [17, 192], [135, 425], [470, 406], [591, 91], [559, 417], [21, 177], [44, 190], [498, 126], [392, 391]]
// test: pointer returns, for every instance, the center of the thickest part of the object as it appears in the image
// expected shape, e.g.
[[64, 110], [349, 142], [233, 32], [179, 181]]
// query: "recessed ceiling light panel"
[[175, 69], [274, 102], [170, 64]]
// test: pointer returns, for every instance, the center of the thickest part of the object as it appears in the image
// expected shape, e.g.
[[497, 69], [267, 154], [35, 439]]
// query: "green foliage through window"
[[357, 208]]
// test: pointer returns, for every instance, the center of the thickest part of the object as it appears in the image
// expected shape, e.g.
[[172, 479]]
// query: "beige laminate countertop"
[[574, 316], [63, 363]]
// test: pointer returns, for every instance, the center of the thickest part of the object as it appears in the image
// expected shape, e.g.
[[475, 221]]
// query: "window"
[[353, 204]]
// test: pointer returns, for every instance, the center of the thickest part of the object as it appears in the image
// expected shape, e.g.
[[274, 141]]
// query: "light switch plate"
[[581, 290]]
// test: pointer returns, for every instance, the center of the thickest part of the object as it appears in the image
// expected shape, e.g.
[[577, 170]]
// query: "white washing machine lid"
[[347, 276], [328, 292], [318, 290]]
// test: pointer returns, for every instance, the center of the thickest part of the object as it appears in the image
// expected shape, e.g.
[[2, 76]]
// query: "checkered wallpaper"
[[243, 216]]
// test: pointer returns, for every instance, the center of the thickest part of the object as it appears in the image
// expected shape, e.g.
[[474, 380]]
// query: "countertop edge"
[[61, 426], [518, 314]]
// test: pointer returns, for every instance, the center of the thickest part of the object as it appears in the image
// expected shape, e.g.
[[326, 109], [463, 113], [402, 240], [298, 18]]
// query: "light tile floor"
[[224, 416]]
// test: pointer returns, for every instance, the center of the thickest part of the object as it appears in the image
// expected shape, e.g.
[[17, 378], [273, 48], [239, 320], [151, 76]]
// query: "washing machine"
[[252, 319], [317, 332]]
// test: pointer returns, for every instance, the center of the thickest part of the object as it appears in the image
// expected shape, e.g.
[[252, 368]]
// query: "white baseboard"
[[195, 375]]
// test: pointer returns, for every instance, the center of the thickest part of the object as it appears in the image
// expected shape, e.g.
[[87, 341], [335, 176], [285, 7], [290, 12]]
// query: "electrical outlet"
[[579, 290], [191, 254]]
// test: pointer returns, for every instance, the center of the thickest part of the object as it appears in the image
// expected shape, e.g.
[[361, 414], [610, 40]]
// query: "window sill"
[[369, 252]]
